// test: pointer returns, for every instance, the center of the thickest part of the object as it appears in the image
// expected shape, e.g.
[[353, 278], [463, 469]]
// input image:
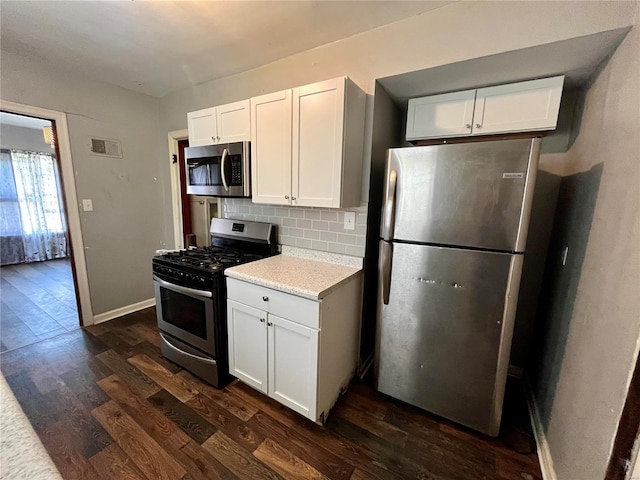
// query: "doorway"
[[192, 214], [39, 294]]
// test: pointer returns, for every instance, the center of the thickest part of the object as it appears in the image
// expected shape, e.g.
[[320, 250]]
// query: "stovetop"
[[209, 259], [200, 267]]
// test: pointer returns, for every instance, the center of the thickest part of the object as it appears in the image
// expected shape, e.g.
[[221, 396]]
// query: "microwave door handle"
[[224, 178]]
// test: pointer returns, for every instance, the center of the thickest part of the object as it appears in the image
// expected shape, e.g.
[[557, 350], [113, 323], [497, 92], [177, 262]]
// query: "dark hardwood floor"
[[107, 405], [37, 302]]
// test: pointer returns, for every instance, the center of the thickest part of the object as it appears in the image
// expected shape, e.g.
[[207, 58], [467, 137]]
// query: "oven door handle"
[[178, 288], [187, 354], [224, 178]]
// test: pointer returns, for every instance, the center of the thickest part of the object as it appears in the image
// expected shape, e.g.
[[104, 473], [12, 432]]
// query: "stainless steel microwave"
[[218, 170]]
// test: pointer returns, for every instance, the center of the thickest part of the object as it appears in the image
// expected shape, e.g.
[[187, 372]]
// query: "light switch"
[[349, 220], [87, 205]]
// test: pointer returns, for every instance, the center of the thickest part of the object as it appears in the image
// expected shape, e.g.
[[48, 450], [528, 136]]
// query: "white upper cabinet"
[[516, 107], [448, 115], [203, 127], [321, 165], [271, 144], [222, 124]]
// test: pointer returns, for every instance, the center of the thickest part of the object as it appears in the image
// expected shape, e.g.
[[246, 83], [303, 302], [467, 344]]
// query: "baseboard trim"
[[119, 312], [544, 453]]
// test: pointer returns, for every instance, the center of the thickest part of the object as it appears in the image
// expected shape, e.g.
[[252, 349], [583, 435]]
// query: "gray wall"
[[590, 322], [126, 226], [23, 138]]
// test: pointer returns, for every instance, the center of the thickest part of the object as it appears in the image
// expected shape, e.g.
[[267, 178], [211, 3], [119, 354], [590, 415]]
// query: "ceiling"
[[159, 47]]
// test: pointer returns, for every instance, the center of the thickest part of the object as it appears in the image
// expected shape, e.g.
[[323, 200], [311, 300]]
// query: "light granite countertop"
[[297, 275]]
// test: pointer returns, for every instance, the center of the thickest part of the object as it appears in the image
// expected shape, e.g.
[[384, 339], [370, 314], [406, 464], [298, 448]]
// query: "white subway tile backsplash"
[[355, 251], [317, 245], [319, 229], [289, 222], [329, 236], [312, 214], [347, 239], [330, 216], [320, 225], [296, 232], [303, 243]]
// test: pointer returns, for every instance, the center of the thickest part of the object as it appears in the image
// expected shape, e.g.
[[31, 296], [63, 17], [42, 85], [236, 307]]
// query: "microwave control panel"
[[236, 173]]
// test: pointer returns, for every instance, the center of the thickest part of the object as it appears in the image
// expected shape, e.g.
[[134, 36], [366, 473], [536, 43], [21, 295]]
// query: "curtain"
[[31, 208]]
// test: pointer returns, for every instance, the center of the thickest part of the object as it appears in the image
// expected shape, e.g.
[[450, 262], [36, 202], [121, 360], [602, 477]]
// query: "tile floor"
[[38, 301]]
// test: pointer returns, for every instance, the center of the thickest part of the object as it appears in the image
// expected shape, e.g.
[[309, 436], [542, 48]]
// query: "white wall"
[[456, 32], [126, 226], [589, 351]]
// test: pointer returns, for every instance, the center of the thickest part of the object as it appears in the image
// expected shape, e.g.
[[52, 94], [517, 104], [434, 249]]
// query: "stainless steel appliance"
[[190, 295], [218, 170], [454, 228]]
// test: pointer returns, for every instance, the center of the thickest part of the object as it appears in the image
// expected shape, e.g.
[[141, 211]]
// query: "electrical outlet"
[[87, 205], [349, 220]]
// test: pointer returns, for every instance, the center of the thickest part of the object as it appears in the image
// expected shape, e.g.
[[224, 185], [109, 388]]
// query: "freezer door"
[[469, 194], [443, 339]]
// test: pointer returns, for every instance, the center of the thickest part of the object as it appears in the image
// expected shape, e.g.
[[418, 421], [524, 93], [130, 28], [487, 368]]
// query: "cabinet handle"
[[293, 199], [265, 299], [270, 324], [262, 320], [286, 197], [468, 125], [213, 139], [478, 125]]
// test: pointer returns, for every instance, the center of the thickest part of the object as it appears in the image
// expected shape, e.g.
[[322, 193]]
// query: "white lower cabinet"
[[300, 352]]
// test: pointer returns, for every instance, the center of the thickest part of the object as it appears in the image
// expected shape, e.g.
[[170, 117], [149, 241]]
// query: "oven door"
[[187, 314]]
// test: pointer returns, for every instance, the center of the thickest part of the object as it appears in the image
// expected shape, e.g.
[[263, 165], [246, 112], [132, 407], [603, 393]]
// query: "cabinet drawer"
[[297, 309]]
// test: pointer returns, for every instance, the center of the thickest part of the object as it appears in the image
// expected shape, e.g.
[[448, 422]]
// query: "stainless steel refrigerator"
[[454, 228]]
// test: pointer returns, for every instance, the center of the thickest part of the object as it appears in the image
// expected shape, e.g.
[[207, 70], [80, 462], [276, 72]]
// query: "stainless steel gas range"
[[190, 295]]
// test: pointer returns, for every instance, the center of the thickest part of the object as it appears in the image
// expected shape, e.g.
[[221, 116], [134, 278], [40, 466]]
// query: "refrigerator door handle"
[[385, 265], [389, 207]]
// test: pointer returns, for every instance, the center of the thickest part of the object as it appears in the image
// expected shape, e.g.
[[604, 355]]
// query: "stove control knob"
[[201, 279], [265, 299]]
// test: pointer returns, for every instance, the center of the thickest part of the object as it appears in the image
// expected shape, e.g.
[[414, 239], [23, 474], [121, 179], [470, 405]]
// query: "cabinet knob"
[[286, 197], [265, 299], [468, 125], [269, 324], [478, 125], [213, 138], [293, 199], [262, 320]]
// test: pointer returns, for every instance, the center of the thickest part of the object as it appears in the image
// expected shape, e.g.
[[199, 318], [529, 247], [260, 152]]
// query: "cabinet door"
[[318, 126], [518, 107], [202, 127], [293, 365], [247, 339], [271, 148], [233, 122], [438, 116]]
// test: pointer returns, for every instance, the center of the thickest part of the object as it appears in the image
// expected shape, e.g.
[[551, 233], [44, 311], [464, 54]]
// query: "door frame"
[[70, 195], [176, 202]]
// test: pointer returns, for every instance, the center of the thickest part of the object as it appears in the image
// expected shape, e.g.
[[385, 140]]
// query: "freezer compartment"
[[443, 339], [470, 194]]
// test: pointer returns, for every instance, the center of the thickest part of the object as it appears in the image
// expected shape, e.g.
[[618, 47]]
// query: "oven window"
[[184, 312]]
